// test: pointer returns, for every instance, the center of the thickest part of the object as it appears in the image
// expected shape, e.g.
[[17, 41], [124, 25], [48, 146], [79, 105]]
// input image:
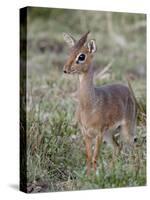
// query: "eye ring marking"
[[81, 58]]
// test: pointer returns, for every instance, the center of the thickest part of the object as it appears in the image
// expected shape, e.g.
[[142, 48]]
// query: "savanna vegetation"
[[55, 149]]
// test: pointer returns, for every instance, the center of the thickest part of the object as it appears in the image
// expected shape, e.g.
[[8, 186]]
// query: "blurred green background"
[[55, 149]]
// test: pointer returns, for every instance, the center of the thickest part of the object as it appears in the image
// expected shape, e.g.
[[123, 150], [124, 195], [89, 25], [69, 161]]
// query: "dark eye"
[[81, 57]]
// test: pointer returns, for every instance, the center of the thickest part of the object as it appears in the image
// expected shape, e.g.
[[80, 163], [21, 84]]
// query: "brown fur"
[[100, 111]]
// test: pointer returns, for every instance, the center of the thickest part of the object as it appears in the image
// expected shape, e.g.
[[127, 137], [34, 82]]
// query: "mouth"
[[72, 72]]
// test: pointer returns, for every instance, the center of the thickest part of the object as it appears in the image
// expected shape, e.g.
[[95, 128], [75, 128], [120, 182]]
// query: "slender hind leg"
[[129, 127], [127, 136], [109, 137], [133, 130]]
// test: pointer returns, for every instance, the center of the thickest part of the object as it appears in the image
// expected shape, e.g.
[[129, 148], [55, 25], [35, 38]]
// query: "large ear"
[[69, 39], [91, 46]]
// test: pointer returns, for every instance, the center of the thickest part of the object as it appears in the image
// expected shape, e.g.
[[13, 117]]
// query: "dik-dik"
[[100, 110]]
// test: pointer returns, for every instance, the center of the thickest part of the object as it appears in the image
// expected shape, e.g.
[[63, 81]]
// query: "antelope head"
[[80, 54]]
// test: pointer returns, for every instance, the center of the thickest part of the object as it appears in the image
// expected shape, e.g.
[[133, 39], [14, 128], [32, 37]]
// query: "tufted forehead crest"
[[81, 41]]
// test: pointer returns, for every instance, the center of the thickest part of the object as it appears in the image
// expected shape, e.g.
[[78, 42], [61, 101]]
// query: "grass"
[[55, 148]]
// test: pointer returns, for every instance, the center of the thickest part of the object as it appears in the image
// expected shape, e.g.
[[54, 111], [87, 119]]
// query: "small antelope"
[[101, 110]]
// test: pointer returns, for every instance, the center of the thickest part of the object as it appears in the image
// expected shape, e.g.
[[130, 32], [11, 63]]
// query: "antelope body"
[[101, 110]]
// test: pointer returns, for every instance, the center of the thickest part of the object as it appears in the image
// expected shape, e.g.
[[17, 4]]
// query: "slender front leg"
[[96, 151], [88, 144]]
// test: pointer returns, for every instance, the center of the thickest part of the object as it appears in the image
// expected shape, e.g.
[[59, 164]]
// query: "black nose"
[[65, 71]]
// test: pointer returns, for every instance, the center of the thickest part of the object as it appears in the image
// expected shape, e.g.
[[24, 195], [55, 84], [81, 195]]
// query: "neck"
[[86, 89]]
